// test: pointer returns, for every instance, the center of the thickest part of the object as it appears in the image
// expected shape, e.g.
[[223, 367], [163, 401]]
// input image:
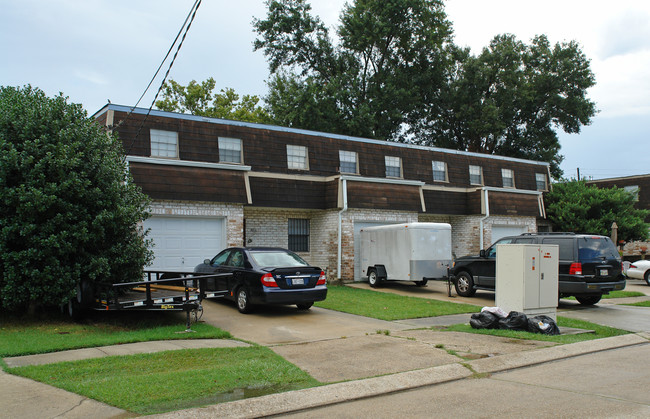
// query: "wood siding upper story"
[[642, 181], [264, 150]]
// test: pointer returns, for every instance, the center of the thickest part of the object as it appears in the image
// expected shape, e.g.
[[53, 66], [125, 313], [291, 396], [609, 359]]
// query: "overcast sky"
[[96, 50]]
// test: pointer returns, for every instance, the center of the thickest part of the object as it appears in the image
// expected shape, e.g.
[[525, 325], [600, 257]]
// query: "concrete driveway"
[[333, 346]]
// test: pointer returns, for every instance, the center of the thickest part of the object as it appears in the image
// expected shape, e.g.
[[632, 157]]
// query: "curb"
[[293, 401]]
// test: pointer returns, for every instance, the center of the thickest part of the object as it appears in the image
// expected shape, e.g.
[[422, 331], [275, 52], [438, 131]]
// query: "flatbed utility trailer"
[[162, 291]]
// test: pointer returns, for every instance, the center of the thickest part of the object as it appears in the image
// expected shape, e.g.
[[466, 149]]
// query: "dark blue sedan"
[[265, 275]]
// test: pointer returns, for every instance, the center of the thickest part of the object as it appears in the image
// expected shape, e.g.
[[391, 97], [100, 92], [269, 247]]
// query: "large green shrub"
[[68, 208], [577, 207]]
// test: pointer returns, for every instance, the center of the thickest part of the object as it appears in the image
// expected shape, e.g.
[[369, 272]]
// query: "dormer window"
[[164, 144], [508, 177], [439, 171], [230, 150], [475, 175], [540, 181], [393, 166], [297, 157], [348, 162]]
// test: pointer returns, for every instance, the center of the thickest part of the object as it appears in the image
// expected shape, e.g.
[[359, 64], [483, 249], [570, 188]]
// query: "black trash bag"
[[514, 321], [544, 325], [484, 320]]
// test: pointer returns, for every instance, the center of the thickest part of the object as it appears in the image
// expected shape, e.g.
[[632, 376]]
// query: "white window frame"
[[540, 178], [436, 166], [297, 157], [479, 174], [164, 144], [348, 157], [230, 147], [508, 174], [393, 163]]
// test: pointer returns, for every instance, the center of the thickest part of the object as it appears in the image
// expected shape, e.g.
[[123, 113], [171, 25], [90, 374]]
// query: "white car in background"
[[639, 270]]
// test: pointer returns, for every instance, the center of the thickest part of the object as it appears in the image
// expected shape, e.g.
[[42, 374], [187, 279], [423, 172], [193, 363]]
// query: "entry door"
[[181, 243]]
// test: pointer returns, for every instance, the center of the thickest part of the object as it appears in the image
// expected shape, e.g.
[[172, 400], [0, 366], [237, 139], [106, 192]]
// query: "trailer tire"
[[373, 278], [243, 300], [85, 293], [421, 283], [464, 284], [75, 311]]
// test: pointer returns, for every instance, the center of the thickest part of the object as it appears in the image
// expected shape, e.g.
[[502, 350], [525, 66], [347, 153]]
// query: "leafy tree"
[[509, 100], [394, 73], [389, 58], [577, 207], [69, 211], [200, 99]]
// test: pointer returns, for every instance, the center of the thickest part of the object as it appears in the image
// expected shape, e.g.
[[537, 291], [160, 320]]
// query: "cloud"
[[626, 33], [91, 76]]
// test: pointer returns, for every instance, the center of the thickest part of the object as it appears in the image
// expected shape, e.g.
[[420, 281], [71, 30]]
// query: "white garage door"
[[358, 225], [503, 231], [181, 243]]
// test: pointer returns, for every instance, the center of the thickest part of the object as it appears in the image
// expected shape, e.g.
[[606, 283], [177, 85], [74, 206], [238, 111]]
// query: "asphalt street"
[[606, 384]]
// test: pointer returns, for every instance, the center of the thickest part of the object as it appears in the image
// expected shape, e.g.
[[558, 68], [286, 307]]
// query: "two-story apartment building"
[[217, 183]]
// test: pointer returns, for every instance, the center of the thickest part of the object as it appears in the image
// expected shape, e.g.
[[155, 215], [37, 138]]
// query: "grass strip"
[[599, 331], [639, 304], [386, 306], [616, 294], [172, 380], [25, 336]]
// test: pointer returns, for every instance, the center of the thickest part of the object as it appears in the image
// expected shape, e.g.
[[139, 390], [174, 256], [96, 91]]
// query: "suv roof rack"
[[547, 234]]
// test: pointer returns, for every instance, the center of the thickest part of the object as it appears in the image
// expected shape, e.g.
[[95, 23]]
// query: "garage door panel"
[[181, 243]]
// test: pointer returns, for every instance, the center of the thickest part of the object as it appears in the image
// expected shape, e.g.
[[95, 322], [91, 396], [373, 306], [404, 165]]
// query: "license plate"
[[603, 272], [297, 281]]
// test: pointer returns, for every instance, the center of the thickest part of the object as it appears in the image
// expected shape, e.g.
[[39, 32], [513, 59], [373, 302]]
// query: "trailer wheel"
[[243, 300], [465, 284], [75, 311], [421, 283], [373, 279]]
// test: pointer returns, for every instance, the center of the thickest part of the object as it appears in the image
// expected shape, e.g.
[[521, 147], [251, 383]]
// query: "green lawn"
[[385, 306], [172, 380], [599, 331], [55, 332]]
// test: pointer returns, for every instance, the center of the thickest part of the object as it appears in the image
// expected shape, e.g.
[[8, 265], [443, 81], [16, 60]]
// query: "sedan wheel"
[[647, 277], [304, 306], [465, 285], [243, 301]]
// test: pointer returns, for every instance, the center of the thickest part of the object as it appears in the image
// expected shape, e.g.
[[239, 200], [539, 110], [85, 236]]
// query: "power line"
[[186, 25]]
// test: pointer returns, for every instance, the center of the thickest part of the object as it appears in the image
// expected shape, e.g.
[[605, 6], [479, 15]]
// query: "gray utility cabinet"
[[527, 278]]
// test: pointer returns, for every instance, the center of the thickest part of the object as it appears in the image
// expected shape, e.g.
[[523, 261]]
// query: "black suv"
[[590, 266]]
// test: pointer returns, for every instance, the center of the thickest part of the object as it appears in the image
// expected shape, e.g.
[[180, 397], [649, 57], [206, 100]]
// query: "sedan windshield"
[[277, 259]]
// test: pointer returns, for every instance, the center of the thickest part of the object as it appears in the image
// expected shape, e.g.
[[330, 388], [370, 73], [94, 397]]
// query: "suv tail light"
[[575, 269], [269, 281], [322, 279]]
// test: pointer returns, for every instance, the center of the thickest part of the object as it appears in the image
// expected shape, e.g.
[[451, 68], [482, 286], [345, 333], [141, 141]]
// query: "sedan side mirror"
[[206, 261], [482, 253]]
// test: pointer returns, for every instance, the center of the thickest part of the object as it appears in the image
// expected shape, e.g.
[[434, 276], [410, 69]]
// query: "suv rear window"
[[596, 247], [566, 247]]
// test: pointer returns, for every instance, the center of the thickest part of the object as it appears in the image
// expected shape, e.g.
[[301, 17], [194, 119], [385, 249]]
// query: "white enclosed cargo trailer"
[[406, 252]]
